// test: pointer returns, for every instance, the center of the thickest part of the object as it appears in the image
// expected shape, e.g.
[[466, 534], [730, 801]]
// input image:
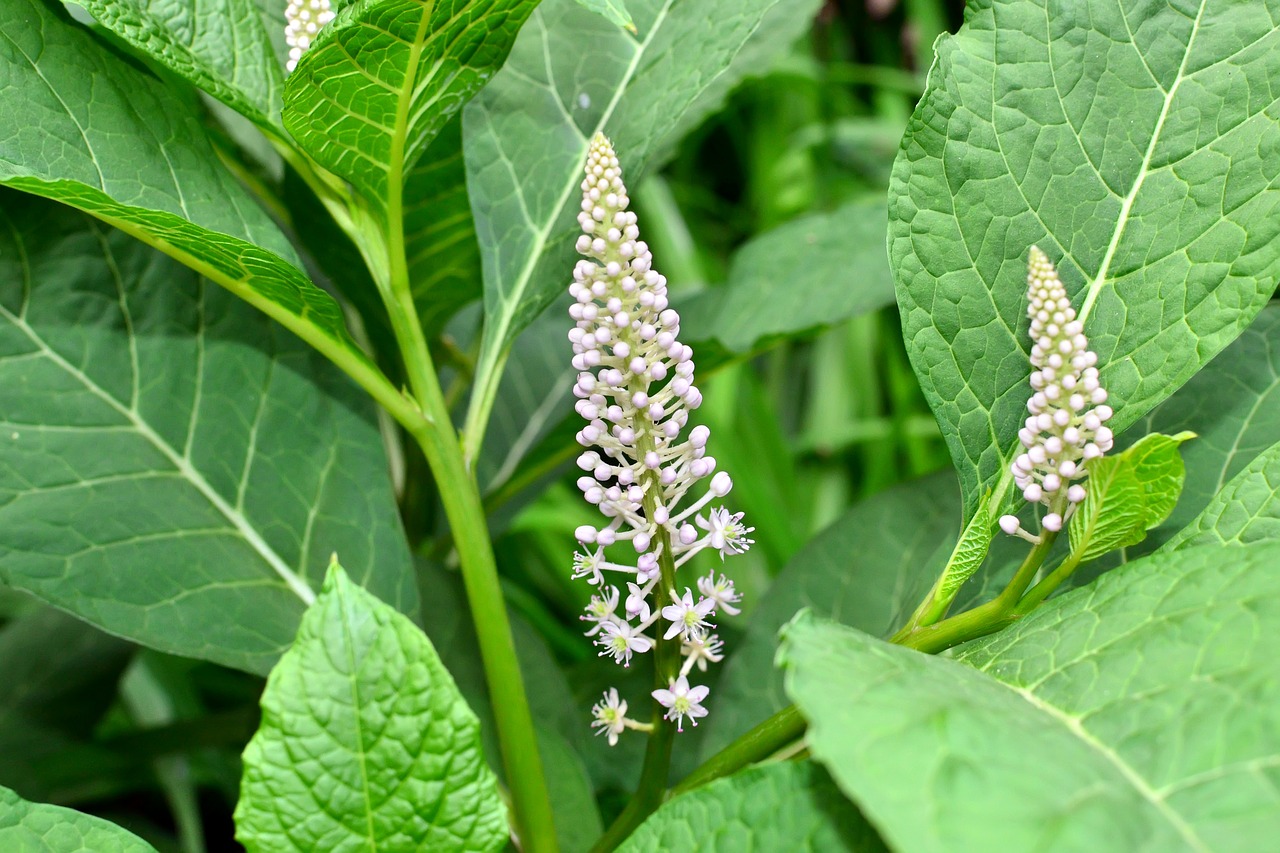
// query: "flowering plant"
[[290, 544]]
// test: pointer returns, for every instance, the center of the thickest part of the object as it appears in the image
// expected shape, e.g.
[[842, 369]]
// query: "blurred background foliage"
[[779, 198]]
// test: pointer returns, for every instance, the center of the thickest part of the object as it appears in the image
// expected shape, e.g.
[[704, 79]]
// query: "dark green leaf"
[[1233, 406], [1247, 509], [868, 569], [384, 77], [789, 806], [1142, 712], [365, 742], [38, 828], [98, 134], [1133, 147], [225, 47], [1127, 494], [809, 274], [174, 467]]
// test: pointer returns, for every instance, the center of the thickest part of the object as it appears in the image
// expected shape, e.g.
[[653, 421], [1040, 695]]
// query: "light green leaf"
[[1133, 147], [383, 78], [225, 47], [1140, 713], [571, 74], [365, 742], [792, 806], [612, 10], [1127, 494], [174, 467], [809, 274], [96, 133], [968, 555], [38, 828], [1246, 510]]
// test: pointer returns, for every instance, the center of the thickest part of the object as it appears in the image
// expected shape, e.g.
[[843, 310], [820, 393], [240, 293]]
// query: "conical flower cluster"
[[1067, 406], [303, 19], [635, 389]]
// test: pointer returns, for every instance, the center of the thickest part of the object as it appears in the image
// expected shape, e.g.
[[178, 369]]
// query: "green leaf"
[[174, 467], [1246, 510], [381, 80], [1127, 494], [365, 742], [612, 10], [133, 154], [228, 48], [1161, 223], [790, 806], [809, 274], [969, 554], [1139, 713], [39, 828], [571, 74]]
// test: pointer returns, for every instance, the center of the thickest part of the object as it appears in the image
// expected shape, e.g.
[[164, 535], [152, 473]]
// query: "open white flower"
[[682, 701], [688, 618], [610, 716]]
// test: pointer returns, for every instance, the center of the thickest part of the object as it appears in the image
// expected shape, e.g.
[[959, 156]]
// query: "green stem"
[[1052, 581], [462, 505], [766, 739]]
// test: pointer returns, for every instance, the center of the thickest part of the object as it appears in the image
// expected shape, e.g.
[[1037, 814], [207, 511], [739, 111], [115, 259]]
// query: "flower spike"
[[1067, 407], [642, 462]]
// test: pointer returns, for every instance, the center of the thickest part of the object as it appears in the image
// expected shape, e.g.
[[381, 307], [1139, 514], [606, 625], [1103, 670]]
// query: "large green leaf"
[[1141, 713], [571, 74], [226, 47], [381, 80], [92, 131], [812, 273], [791, 806], [365, 742], [1247, 509], [38, 828], [1133, 146], [175, 468]]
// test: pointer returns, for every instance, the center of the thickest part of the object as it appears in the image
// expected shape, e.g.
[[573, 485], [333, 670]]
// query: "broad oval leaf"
[[1140, 713], [38, 828], [229, 48], [96, 133], [365, 742], [1133, 146], [571, 73], [792, 806], [174, 467], [384, 77]]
